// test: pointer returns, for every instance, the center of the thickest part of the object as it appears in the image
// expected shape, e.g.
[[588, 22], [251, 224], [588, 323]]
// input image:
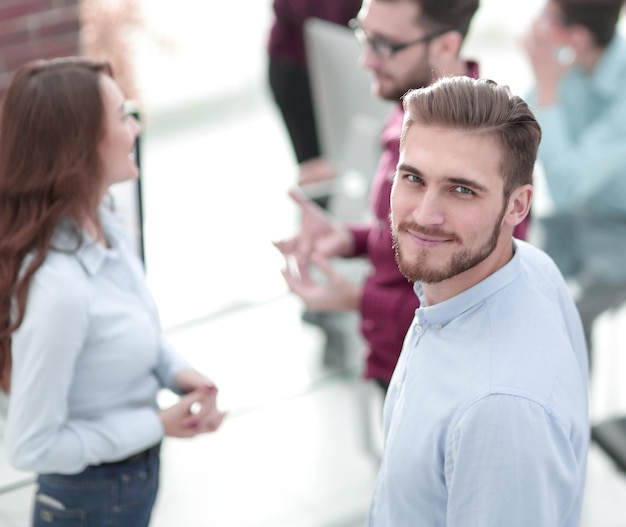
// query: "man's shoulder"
[[535, 307], [538, 292], [538, 325], [537, 262]]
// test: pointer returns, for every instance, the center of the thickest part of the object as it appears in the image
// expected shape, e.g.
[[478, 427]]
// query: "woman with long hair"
[[81, 352]]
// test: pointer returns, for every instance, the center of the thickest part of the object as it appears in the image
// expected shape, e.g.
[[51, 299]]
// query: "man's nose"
[[369, 59], [430, 209]]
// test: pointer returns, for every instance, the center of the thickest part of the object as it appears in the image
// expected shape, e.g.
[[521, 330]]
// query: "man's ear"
[[444, 53], [519, 205]]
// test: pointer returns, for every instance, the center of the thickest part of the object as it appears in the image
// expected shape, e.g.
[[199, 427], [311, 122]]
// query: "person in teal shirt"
[[579, 64]]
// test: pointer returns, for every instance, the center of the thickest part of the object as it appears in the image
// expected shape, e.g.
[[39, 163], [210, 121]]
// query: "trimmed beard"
[[423, 76], [461, 261]]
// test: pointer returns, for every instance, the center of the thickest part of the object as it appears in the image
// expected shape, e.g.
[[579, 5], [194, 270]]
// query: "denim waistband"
[[144, 455]]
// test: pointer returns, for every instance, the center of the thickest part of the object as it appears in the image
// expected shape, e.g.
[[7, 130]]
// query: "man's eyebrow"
[[407, 168], [377, 35], [464, 182]]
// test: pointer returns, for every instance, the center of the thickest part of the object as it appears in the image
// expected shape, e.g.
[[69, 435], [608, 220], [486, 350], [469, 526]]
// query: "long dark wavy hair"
[[51, 124]]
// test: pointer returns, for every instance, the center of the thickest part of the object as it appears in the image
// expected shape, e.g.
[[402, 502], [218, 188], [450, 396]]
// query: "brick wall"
[[31, 29]]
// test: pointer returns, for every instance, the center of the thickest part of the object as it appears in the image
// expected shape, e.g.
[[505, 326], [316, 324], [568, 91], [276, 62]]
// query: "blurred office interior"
[[299, 447]]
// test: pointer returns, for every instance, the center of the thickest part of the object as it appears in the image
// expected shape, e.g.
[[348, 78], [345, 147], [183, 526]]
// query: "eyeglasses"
[[385, 49]]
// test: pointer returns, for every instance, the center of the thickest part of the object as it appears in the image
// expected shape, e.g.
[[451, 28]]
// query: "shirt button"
[[438, 326], [418, 328]]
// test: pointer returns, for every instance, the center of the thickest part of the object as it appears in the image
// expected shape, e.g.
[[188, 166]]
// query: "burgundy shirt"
[[285, 40], [388, 303]]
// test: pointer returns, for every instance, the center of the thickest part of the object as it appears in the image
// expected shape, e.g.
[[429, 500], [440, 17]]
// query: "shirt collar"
[[88, 252], [445, 312]]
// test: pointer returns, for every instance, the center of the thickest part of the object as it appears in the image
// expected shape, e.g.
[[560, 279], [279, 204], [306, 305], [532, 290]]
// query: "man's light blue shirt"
[[485, 420], [88, 358]]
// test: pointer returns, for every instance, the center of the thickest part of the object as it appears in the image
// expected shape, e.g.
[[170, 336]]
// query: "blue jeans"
[[110, 495]]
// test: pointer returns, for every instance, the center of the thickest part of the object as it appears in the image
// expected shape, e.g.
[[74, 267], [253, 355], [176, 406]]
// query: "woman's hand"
[[542, 51], [196, 412]]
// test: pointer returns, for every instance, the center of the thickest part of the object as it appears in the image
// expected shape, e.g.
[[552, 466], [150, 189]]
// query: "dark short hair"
[[600, 17], [446, 14], [449, 13], [481, 107]]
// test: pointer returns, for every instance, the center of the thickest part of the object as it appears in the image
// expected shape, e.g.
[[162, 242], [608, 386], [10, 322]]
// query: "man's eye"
[[413, 178], [463, 190], [383, 47]]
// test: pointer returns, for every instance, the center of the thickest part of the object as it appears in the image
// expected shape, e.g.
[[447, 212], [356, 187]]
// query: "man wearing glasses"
[[406, 44]]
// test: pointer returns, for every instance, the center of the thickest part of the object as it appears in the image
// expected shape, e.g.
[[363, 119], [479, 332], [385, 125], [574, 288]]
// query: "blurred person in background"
[[81, 351], [579, 63], [289, 78], [406, 44]]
